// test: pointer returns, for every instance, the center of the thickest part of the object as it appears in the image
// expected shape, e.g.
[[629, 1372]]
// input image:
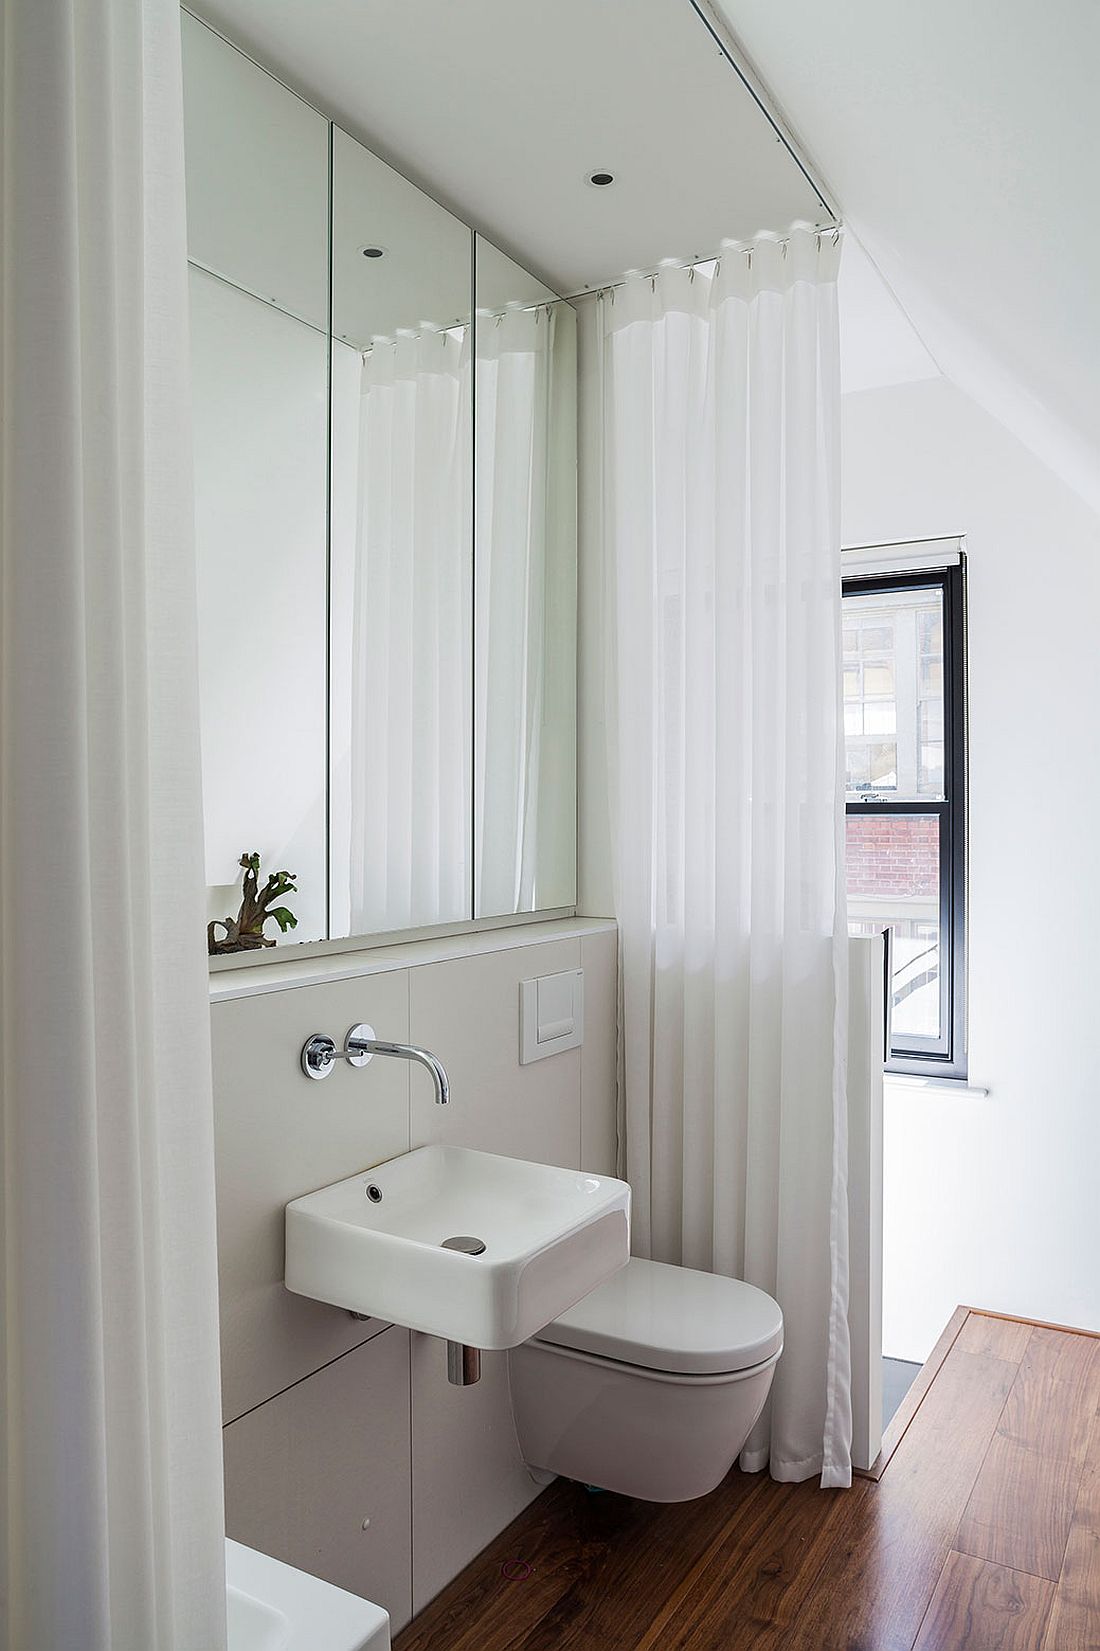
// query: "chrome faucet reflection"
[[320, 1054]]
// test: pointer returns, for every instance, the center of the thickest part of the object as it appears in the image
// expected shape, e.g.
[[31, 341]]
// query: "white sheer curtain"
[[519, 549], [722, 405], [111, 1533], [411, 677]]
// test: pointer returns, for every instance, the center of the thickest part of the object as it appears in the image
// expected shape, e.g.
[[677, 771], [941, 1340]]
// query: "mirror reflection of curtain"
[[520, 563], [410, 718]]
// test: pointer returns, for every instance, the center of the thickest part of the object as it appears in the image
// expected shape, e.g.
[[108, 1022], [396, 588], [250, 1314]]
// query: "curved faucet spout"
[[320, 1054], [406, 1052]]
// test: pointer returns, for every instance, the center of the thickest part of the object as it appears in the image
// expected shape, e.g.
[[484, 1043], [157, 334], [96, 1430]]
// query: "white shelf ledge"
[[290, 973]]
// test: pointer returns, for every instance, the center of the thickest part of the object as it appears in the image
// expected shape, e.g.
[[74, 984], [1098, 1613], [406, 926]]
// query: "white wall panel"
[[599, 1134], [468, 1478], [279, 1135], [468, 1013], [317, 1446], [319, 1476]]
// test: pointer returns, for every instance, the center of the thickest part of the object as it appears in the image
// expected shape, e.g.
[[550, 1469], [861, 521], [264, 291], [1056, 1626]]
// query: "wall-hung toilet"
[[649, 1386]]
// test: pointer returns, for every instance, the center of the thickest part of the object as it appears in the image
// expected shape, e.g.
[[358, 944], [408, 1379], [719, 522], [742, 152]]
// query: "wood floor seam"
[[1037, 1575], [931, 1598]]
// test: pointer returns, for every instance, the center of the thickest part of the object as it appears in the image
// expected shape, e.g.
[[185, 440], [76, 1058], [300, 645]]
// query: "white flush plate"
[[551, 1015]]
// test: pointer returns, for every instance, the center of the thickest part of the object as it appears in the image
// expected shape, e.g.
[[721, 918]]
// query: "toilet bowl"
[[649, 1386]]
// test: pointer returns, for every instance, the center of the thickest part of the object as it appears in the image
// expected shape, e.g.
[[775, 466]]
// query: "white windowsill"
[[943, 1086]]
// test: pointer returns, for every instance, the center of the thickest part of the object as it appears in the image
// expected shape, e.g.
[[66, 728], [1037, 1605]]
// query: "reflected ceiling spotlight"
[[600, 178], [373, 252]]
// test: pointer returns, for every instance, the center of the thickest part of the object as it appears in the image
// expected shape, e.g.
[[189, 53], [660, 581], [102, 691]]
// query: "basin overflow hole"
[[374, 1192]]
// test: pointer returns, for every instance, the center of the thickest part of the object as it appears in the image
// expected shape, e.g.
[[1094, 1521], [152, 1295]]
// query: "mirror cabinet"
[[385, 473]]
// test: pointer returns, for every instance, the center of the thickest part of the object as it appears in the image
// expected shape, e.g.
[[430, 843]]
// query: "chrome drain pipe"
[[463, 1364]]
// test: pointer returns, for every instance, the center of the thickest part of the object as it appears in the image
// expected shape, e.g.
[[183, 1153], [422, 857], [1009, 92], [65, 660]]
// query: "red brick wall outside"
[[891, 858]]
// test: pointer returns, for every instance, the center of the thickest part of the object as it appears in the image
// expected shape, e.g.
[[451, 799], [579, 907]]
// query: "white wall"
[[346, 1452], [993, 1202]]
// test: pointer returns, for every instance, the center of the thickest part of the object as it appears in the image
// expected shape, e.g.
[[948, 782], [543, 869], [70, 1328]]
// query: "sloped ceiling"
[[961, 139]]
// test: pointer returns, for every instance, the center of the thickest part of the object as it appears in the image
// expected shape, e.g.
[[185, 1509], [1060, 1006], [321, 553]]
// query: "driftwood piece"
[[245, 932]]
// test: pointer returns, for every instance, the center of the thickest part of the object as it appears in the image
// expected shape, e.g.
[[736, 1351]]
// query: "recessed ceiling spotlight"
[[373, 252], [600, 178]]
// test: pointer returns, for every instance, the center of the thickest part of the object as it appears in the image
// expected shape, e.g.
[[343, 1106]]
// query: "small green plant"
[[245, 932]]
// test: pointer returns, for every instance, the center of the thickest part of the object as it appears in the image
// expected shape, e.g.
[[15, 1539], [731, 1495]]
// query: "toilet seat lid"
[[674, 1319]]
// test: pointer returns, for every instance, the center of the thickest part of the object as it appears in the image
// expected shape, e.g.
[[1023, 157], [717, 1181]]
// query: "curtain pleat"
[[721, 401], [411, 669], [111, 1533], [514, 569]]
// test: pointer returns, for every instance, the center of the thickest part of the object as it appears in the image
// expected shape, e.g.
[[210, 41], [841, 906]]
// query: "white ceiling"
[[878, 344], [957, 138], [960, 138], [501, 108]]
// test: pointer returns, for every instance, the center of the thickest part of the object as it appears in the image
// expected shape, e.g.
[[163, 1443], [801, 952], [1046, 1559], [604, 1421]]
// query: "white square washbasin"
[[375, 1243]]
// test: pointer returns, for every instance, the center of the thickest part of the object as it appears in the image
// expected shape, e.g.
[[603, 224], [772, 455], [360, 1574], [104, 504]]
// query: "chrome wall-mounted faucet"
[[320, 1054]]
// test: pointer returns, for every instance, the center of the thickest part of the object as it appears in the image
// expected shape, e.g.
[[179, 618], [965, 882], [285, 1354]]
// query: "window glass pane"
[[884, 766], [894, 882], [931, 631], [932, 764], [879, 716], [893, 685]]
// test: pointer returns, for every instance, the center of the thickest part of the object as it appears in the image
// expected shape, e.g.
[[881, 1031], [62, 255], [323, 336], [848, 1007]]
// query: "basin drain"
[[467, 1245]]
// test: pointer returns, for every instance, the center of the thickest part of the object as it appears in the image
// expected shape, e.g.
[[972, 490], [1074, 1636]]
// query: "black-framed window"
[[905, 742]]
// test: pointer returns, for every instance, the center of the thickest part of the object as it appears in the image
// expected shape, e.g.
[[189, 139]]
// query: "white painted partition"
[[866, 1049]]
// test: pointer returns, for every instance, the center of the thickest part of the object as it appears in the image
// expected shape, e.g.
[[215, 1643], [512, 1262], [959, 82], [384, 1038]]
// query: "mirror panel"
[[260, 398], [401, 682], [502, 284], [257, 178], [386, 530], [525, 592]]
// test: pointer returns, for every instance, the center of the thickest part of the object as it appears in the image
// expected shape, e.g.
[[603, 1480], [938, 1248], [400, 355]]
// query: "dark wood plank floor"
[[982, 1533]]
